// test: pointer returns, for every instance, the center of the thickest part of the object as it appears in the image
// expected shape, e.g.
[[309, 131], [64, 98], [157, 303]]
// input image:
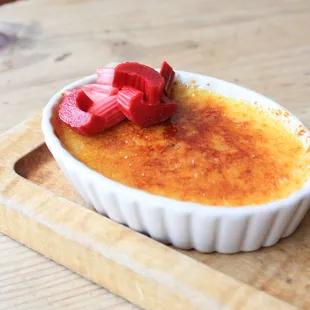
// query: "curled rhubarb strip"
[[78, 112], [135, 108], [130, 90], [168, 74], [97, 92], [140, 77], [108, 109], [105, 76], [73, 112]]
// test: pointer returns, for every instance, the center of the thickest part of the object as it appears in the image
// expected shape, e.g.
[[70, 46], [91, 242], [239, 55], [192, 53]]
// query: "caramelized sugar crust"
[[214, 151]]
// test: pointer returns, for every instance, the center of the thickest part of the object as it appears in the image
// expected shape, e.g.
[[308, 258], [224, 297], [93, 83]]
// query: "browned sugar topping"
[[214, 151]]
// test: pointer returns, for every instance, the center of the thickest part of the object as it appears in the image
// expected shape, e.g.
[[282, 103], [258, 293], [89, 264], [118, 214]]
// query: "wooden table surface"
[[263, 45]]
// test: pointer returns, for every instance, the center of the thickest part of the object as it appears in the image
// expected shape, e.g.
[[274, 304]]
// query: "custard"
[[213, 151]]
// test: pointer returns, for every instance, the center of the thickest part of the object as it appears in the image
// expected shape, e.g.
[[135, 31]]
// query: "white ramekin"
[[188, 225]]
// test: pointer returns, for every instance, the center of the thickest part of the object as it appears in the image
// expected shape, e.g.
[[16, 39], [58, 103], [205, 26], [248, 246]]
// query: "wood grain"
[[263, 45]]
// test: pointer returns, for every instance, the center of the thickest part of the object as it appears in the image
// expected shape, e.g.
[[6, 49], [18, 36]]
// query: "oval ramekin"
[[188, 225]]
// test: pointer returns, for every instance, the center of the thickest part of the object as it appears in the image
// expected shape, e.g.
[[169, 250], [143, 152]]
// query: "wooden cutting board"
[[39, 208]]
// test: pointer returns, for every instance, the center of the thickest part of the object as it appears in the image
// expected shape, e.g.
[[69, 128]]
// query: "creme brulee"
[[214, 151]]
